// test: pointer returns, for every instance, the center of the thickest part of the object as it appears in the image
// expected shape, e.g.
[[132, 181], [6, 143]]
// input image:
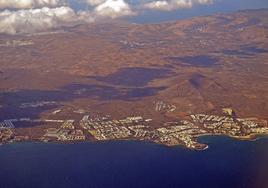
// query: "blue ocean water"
[[227, 163]]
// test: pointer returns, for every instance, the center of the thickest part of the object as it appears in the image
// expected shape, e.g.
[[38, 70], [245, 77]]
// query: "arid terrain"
[[83, 80]]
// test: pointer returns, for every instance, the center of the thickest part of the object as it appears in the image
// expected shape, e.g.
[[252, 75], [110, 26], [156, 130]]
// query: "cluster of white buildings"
[[37, 104], [107, 129], [7, 124], [15, 43], [162, 106], [230, 125], [66, 132]]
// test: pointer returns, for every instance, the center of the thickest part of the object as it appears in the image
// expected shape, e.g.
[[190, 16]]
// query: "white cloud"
[[35, 20], [168, 5], [26, 4], [95, 2], [43, 19], [157, 5], [113, 9], [85, 17], [28, 18]]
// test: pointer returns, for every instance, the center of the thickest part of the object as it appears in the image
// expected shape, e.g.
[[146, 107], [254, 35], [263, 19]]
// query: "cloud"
[[113, 9], [43, 19], [26, 4], [30, 16], [95, 2], [35, 20], [168, 5]]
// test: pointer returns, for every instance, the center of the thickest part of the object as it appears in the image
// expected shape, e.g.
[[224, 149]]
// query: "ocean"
[[227, 163]]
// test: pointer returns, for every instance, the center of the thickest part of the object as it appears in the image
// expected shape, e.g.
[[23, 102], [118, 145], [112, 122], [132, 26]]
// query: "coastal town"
[[134, 82], [183, 132]]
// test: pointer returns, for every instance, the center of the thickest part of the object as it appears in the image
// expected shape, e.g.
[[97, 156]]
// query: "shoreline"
[[250, 138]]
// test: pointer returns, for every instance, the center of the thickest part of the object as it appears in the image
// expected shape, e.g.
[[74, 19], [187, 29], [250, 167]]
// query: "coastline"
[[251, 138]]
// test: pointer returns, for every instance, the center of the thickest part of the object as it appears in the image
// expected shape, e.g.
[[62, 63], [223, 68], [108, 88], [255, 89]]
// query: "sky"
[[31, 16]]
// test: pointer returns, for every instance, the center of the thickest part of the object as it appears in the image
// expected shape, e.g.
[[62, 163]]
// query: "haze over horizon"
[[31, 16]]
